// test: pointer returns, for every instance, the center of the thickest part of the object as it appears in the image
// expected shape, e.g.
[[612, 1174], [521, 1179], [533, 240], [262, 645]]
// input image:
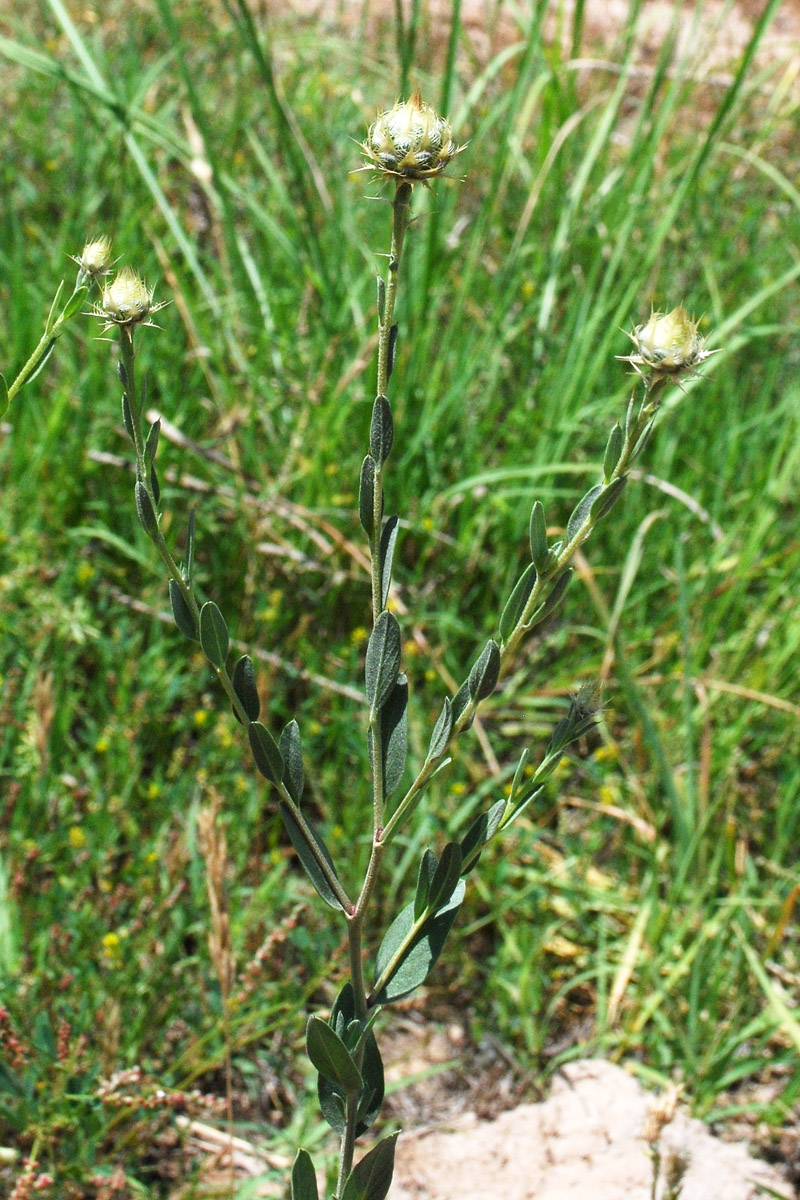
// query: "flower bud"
[[95, 258], [668, 345], [127, 301], [411, 141]]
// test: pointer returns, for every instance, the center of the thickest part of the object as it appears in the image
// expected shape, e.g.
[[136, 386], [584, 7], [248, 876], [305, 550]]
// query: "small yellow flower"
[[411, 141], [667, 346], [359, 636], [153, 791], [84, 573], [101, 745], [608, 752], [127, 301], [95, 258], [200, 717], [458, 789], [77, 838]]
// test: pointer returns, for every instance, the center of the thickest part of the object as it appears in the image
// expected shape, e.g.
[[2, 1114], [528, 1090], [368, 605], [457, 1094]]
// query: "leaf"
[[553, 600], [479, 833], [366, 495], [459, 702], [538, 536], [582, 510], [182, 613], [214, 635], [266, 754], [127, 419], [330, 1056], [151, 445], [41, 361], [446, 877], [440, 738], [383, 660], [485, 673], [333, 1104], [613, 451], [608, 497], [308, 858], [427, 870], [388, 541], [155, 486], [190, 545], [370, 1101], [73, 304], [293, 775], [418, 958], [145, 510], [244, 684], [371, 1178], [392, 350], [515, 605], [304, 1180], [381, 431], [394, 735]]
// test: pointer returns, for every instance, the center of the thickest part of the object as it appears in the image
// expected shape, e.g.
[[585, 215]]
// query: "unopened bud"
[[127, 301], [95, 258], [668, 345], [411, 141]]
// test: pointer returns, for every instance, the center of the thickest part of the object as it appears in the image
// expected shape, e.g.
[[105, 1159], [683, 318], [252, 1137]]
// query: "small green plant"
[[409, 145]]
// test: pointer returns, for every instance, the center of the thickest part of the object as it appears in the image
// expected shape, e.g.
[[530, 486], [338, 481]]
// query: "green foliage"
[[649, 913]]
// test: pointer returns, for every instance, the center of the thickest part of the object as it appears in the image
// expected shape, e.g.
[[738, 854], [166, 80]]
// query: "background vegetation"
[[646, 909]]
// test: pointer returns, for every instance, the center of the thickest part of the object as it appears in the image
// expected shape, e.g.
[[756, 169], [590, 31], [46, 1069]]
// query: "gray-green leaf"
[[371, 1178], [293, 761], [330, 1056], [244, 684], [304, 1179], [418, 958], [266, 754], [310, 853], [213, 634], [383, 660], [181, 612]]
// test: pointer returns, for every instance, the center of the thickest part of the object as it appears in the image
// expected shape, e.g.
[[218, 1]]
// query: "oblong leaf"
[[427, 870], [417, 959], [366, 495], [613, 451], [608, 497], [553, 600], [330, 1056], [145, 510], [371, 1178], [244, 684], [485, 672], [582, 510], [182, 613], [538, 535], [74, 303], [383, 659], [151, 445], [381, 431], [213, 634], [293, 775], [440, 738], [304, 1179], [388, 541], [310, 855], [446, 876], [515, 605], [480, 831], [394, 735], [266, 754]]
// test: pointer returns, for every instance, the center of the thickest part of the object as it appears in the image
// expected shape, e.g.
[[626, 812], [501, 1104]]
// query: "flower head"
[[95, 258], [127, 301], [667, 346], [411, 141]]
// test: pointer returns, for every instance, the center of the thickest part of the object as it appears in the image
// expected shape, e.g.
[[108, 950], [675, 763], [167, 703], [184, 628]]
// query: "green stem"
[[355, 927], [52, 331], [541, 589], [128, 361]]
